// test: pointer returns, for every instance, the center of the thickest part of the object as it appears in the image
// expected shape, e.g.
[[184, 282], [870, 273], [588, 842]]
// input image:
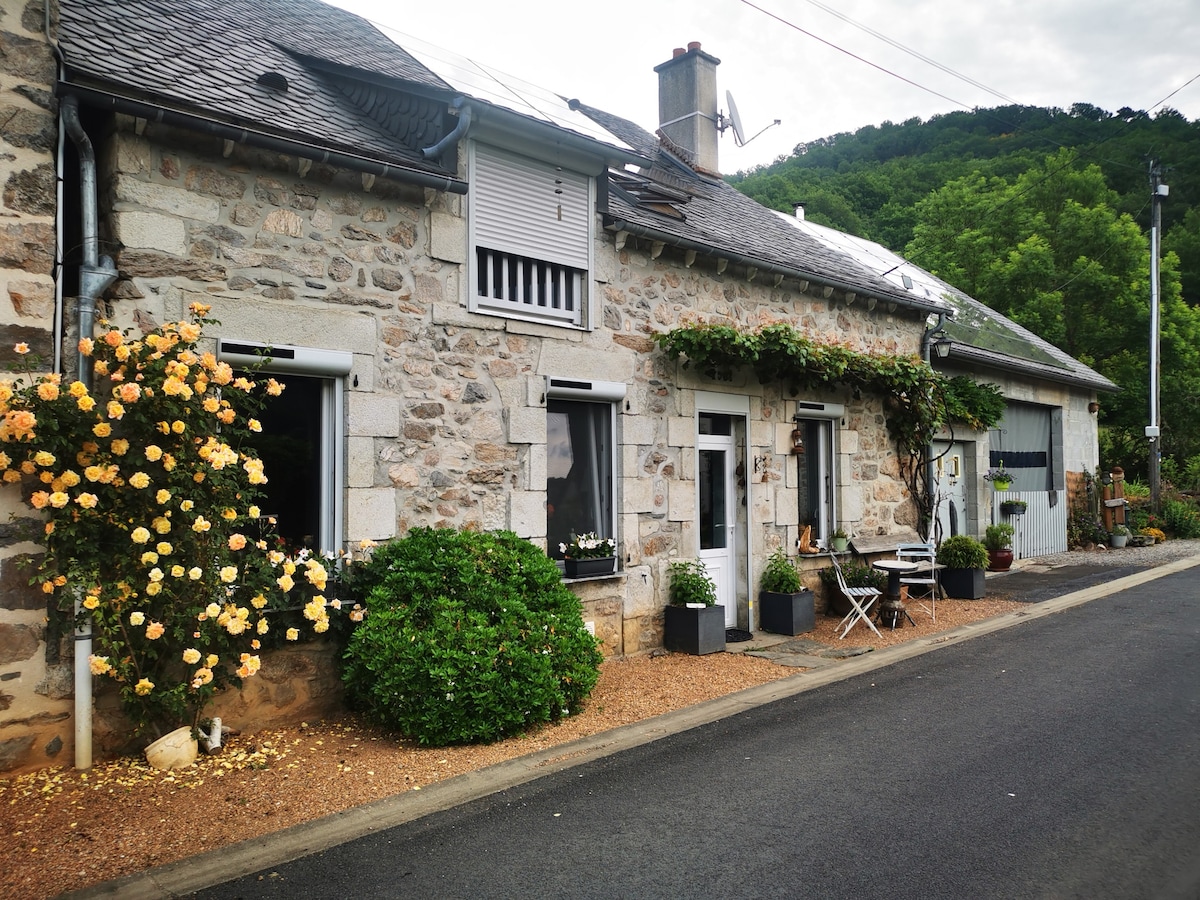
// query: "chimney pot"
[[693, 45], [677, 52], [798, 208]]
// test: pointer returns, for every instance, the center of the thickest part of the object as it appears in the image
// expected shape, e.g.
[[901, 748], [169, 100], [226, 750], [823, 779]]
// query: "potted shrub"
[[785, 605], [964, 559], [1013, 507], [588, 555], [693, 622], [856, 576], [998, 541], [1120, 535], [839, 541]]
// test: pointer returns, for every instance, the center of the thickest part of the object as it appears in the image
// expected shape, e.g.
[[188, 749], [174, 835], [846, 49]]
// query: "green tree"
[[1050, 250]]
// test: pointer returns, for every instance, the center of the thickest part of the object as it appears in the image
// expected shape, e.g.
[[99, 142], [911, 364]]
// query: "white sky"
[[1109, 53]]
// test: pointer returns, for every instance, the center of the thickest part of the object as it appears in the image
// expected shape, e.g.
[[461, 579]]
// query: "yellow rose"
[[139, 535], [155, 629], [262, 627], [177, 571], [139, 480], [101, 429], [149, 558], [86, 404], [293, 634], [120, 447], [153, 589], [87, 501], [44, 459], [163, 495], [99, 664], [191, 656], [153, 453], [137, 618], [211, 660], [115, 410], [90, 603], [164, 548], [213, 610], [143, 687], [228, 574], [194, 573]]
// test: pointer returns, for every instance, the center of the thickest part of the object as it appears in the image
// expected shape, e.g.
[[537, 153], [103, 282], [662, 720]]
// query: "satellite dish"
[[735, 118]]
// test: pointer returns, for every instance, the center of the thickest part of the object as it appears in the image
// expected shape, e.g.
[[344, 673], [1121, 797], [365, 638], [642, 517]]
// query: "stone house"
[[461, 296]]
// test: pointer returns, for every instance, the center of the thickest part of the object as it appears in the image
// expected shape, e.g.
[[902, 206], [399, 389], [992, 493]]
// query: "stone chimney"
[[687, 103]]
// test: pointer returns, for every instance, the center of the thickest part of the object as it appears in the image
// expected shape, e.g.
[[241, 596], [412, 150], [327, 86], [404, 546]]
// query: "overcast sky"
[[1110, 53]]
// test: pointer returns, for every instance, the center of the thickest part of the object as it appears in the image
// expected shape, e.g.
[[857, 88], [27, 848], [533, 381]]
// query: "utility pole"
[[1158, 192]]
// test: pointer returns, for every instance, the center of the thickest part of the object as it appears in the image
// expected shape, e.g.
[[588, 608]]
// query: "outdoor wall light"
[[942, 348], [797, 440]]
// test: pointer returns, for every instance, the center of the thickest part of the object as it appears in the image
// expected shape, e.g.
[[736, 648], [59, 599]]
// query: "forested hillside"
[[1044, 215], [868, 183]]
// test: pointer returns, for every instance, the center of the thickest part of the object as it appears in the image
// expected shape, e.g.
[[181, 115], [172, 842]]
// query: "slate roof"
[[344, 78], [980, 336], [714, 217]]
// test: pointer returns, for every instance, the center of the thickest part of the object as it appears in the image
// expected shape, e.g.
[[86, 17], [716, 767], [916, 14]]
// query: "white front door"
[[950, 483], [717, 513]]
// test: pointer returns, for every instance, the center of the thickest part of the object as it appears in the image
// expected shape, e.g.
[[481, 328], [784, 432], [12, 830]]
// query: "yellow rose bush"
[[147, 487]]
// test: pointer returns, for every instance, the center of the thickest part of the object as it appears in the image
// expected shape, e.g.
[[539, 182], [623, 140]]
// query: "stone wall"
[[35, 689]]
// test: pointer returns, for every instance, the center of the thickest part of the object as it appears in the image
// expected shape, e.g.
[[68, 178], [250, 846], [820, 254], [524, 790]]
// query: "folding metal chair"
[[861, 600], [925, 578]]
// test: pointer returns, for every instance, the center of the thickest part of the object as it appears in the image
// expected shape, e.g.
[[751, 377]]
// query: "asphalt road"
[[1056, 759]]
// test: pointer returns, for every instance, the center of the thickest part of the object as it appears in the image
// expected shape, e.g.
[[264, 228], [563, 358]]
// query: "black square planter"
[[786, 613], [697, 631], [963, 584]]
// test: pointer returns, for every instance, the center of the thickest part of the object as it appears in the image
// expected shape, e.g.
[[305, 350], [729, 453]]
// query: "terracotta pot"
[[173, 750], [1000, 560]]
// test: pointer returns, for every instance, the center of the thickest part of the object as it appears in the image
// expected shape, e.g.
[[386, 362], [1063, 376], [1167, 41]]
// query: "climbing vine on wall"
[[918, 401]]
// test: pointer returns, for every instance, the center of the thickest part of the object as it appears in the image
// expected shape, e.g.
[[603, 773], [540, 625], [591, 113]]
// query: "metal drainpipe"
[[96, 274]]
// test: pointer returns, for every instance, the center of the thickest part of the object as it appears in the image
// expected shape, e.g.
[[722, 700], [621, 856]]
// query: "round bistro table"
[[892, 611]]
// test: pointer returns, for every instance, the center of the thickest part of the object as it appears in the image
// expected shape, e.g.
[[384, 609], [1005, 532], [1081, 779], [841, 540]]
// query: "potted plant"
[[964, 559], [1120, 535], [998, 541], [693, 622], [1000, 477], [839, 541], [588, 555], [1013, 507], [785, 605]]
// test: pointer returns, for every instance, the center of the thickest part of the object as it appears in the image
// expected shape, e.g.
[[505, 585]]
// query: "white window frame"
[[331, 367], [824, 417], [530, 223], [601, 394]]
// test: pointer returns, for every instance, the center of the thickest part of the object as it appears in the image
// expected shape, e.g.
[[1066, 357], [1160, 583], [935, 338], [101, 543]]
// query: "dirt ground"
[[64, 830]]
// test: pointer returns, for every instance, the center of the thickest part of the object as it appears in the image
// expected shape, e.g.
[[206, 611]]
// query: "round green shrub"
[[469, 637]]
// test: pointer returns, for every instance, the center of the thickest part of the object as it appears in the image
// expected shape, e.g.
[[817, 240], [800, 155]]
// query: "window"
[[816, 478], [531, 237], [301, 440], [580, 462]]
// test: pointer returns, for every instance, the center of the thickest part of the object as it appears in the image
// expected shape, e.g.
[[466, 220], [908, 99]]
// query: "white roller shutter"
[[530, 209]]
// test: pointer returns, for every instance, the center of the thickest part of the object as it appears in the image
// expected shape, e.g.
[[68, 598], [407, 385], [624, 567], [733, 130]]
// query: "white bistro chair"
[[923, 582], [861, 600]]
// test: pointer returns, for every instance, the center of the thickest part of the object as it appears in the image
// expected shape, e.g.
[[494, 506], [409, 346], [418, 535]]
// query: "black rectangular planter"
[[963, 584], [589, 568], [786, 613], [697, 631]]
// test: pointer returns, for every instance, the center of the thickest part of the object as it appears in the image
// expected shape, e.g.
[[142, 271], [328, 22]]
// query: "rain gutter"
[[154, 113], [675, 240]]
